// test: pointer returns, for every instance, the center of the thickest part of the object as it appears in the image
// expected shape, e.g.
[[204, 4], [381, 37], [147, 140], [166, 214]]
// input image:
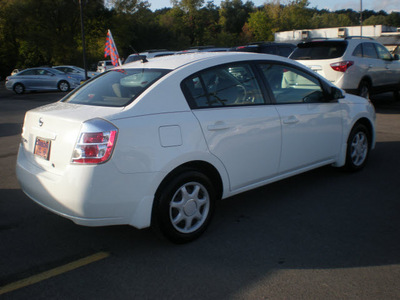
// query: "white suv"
[[359, 66], [104, 65]]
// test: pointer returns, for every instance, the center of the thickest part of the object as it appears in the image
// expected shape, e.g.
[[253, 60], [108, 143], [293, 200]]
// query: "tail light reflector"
[[96, 142], [342, 66]]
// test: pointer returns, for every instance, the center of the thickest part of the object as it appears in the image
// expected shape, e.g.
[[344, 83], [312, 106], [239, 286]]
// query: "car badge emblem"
[[40, 122]]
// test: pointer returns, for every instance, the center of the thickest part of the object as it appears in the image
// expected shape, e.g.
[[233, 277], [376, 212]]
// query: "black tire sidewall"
[[350, 166], [16, 85], [366, 84], [160, 217], [61, 82]]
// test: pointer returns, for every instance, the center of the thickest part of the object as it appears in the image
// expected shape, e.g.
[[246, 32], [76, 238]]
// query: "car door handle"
[[291, 120], [218, 126]]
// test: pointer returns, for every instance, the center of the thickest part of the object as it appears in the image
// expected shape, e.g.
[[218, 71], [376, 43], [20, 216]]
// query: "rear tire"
[[358, 147], [364, 90], [396, 95], [183, 207]]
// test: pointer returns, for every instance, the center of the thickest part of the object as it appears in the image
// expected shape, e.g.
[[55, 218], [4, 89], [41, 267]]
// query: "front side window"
[[291, 85], [43, 72], [227, 85], [383, 53], [116, 87]]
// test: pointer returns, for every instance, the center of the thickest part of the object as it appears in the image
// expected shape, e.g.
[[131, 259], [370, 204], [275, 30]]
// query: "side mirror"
[[336, 93], [396, 57]]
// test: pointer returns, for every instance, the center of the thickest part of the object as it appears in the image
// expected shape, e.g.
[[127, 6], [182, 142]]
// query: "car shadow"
[[322, 219], [10, 129]]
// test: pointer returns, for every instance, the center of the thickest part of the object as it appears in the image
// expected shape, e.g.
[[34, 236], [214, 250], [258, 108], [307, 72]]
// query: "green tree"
[[234, 14]]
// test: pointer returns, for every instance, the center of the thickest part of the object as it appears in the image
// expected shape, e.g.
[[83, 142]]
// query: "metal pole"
[[83, 40], [361, 18]]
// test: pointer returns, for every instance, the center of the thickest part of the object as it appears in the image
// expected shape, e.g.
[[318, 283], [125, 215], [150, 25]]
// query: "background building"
[[388, 36]]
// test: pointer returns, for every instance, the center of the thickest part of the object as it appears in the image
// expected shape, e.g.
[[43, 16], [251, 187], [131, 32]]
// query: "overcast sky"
[[386, 5]]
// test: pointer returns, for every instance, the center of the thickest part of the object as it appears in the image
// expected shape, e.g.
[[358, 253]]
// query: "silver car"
[[76, 72], [41, 79]]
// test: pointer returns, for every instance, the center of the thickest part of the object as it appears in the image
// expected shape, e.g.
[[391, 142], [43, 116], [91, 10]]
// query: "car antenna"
[[144, 59]]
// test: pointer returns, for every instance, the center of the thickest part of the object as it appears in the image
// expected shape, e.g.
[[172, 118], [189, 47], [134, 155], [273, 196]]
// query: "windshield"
[[116, 87], [319, 50]]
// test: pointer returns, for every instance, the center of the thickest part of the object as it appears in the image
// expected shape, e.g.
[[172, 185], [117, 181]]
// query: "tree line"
[[48, 32]]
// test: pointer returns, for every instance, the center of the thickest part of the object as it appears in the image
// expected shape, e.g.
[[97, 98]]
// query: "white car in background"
[[76, 72], [360, 66], [148, 54], [157, 143], [104, 65]]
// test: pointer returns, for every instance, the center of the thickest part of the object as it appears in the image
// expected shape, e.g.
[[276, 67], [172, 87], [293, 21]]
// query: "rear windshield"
[[319, 50], [116, 87]]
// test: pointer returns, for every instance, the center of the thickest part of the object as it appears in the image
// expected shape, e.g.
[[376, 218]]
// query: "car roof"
[[176, 61], [35, 68]]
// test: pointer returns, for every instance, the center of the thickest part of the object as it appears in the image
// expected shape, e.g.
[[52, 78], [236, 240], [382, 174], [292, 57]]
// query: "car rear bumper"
[[85, 195]]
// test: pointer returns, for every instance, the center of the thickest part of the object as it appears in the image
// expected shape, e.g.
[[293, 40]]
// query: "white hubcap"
[[189, 207], [359, 148]]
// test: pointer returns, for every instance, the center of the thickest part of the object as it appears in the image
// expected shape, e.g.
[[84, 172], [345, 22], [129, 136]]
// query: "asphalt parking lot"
[[324, 234]]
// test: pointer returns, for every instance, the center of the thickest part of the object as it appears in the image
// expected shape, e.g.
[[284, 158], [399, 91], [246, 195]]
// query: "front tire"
[[63, 86], [19, 88], [358, 147], [183, 207]]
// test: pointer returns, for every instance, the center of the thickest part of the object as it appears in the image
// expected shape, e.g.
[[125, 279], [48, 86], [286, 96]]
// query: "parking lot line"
[[53, 272]]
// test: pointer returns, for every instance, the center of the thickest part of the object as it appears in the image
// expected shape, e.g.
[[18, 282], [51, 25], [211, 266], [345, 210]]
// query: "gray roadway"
[[320, 235]]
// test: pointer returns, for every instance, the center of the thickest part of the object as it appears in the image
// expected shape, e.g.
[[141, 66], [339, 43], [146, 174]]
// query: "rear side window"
[[269, 50], [358, 51], [369, 50], [319, 50], [285, 51], [28, 72], [116, 87], [227, 85]]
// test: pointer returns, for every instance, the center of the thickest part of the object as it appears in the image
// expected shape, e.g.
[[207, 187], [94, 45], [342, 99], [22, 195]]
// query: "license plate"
[[42, 148]]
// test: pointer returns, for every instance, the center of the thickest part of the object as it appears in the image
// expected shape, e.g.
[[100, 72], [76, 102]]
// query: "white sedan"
[[77, 72], [157, 143]]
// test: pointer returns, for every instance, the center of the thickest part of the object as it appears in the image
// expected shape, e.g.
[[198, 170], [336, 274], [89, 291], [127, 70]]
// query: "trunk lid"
[[50, 133], [323, 68]]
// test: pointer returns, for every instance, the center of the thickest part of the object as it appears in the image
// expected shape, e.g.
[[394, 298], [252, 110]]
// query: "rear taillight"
[[96, 142], [342, 66]]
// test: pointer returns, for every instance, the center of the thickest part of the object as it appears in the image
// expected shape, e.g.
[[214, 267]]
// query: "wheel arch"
[[201, 166], [63, 80], [367, 123], [343, 153], [367, 79], [21, 84], [18, 82]]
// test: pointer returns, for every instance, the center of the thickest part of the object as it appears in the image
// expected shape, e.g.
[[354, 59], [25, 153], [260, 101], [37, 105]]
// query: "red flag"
[[111, 50]]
